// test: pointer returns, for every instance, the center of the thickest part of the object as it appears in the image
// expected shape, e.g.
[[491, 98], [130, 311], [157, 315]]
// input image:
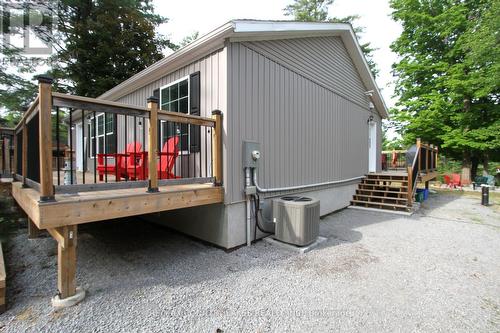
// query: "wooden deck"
[[84, 207]]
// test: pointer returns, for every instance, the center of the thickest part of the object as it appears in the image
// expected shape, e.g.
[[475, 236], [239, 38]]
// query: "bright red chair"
[[133, 165], [121, 161], [168, 156], [456, 181], [447, 180]]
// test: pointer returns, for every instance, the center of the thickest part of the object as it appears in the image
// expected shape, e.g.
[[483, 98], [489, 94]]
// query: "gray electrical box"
[[251, 154]]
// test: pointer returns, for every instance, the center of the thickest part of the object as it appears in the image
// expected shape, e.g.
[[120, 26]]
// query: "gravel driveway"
[[438, 270]]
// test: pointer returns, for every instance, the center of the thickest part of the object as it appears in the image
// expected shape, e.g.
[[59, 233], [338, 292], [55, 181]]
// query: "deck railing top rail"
[[157, 126]]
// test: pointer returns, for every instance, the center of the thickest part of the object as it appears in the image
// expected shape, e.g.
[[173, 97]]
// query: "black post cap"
[[44, 78], [153, 99], [216, 112]]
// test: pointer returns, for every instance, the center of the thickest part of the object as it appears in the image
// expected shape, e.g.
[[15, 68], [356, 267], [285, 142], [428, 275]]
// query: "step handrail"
[[413, 170]]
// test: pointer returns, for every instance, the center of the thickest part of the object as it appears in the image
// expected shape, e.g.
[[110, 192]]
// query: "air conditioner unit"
[[297, 219]]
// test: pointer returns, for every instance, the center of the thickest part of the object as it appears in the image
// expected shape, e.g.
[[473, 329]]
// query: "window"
[[175, 97], [105, 123]]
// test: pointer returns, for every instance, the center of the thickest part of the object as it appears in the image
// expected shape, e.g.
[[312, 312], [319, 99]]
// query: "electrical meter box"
[[251, 154]]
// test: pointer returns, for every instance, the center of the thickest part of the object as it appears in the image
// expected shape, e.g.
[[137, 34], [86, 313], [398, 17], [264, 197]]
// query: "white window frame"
[[91, 135], [187, 77]]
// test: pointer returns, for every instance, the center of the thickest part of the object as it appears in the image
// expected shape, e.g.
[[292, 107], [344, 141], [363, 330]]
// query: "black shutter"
[[156, 93], [194, 101]]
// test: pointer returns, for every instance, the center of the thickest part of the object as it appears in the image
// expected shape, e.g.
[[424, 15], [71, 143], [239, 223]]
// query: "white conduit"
[[299, 187]]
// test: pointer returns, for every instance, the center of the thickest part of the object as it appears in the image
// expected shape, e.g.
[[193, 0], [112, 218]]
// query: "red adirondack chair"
[[121, 160], [456, 181], [168, 155], [447, 180]]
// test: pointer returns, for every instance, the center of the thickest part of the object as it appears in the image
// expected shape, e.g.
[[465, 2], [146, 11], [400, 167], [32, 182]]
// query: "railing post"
[[436, 158], [153, 144], [45, 137], [410, 187], [217, 147], [427, 159], [24, 157], [419, 146], [14, 158], [6, 155]]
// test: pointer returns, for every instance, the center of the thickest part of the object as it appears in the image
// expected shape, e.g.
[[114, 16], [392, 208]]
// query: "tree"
[[317, 11], [97, 45], [187, 40], [448, 76], [101, 43]]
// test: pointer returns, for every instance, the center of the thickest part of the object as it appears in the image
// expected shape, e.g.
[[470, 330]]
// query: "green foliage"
[[15, 91], [104, 42], [98, 44], [448, 77], [317, 11], [186, 40]]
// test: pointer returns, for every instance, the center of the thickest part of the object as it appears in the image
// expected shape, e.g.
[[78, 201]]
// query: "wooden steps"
[[387, 191]]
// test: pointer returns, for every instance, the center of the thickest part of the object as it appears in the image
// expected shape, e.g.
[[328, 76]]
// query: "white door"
[[372, 144], [78, 148]]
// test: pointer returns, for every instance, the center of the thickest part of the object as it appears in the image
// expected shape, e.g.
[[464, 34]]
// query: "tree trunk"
[[466, 167], [486, 164], [474, 165]]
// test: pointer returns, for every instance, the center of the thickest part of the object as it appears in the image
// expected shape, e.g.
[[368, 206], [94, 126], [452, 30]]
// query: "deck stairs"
[[386, 191]]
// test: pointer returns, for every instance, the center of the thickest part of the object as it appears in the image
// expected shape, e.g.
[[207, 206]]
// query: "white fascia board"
[[243, 26], [359, 60]]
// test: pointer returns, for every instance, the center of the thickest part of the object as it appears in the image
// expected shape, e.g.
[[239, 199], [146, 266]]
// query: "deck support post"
[[66, 238], [45, 141], [217, 147], [153, 144], [33, 231]]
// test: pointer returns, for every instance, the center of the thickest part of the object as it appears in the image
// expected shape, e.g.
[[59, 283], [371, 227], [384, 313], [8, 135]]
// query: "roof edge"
[[241, 29]]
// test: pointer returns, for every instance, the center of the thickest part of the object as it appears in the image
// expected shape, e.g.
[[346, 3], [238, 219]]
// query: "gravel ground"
[[435, 271]]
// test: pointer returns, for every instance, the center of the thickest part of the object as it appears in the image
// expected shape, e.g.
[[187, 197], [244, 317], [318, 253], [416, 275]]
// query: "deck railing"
[[107, 145], [421, 159], [6, 152]]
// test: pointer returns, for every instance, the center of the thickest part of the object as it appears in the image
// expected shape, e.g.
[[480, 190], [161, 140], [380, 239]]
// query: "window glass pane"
[[184, 136], [173, 106], [92, 153], [183, 105], [174, 92], [100, 145], [165, 96], [109, 123], [110, 144], [100, 125], [91, 127], [183, 88]]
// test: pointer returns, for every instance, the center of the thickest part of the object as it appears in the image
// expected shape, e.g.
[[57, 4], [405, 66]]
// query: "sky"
[[189, 16]]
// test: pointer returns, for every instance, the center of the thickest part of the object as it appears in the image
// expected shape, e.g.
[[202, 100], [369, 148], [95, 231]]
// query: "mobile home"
[[303, 91]]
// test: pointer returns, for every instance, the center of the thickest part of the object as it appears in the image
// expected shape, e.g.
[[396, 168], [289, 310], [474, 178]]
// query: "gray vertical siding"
[[304, 102], [213, 96]]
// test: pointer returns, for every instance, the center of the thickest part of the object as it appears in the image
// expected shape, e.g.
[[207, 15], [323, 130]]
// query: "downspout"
[[299, 187]]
